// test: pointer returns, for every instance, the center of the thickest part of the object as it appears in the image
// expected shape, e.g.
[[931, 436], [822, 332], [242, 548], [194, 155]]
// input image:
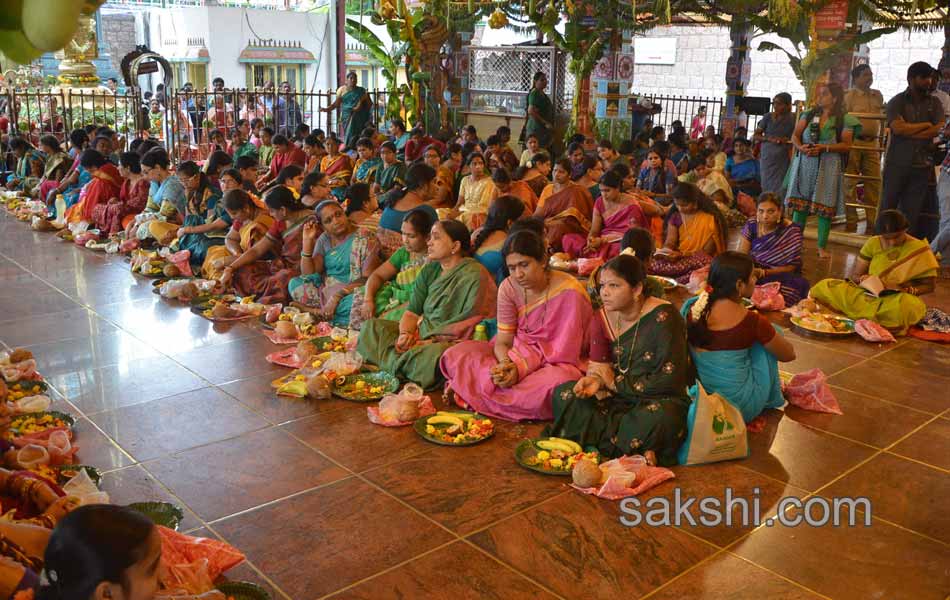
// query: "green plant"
[[388, 59]]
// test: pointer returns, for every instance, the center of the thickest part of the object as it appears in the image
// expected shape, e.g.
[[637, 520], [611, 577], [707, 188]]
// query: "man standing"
[[287, 115], [775, 131], [915, 117], [867, 163]]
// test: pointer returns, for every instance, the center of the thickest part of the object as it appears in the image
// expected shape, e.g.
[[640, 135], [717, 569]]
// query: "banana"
[[463, 416], [550, 445], [575, 447], [445, 420], [50, 24], [11, 12], [16, 47]]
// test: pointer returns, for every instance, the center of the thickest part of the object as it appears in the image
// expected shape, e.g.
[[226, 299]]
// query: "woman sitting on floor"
[[291, 177], [314, 189], [506, 186], [360, 205], [390, 286], [265, 269], [206, 223], [633, 399], [900, 265], [105, 184], [476, 192], [487, 242], [216, 164], [736, 351], [696, 233], [391, 173], [444, 178], [775, 244], [452, 294], [249, 224], [113, 217], [653, 211], [637, 242], [536, 173], [57, 165], [543, 317], [364, 170], [614, 213], [591, 172], [565, 207], [418, 190], [166, 196], [338, 167], [333, 266]]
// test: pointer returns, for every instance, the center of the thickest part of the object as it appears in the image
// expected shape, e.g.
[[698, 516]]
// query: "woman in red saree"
[[565, 207], [104, 186], [113, 217], [267, 279]]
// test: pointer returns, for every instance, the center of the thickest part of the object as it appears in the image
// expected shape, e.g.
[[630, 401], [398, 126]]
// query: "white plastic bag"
[[30, 404], [32, 455], [82, 486]]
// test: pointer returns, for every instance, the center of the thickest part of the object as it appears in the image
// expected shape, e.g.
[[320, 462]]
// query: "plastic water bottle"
[[480, 334]]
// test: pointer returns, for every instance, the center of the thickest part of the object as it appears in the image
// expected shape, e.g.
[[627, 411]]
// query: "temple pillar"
[[611, 81], [738, 72]]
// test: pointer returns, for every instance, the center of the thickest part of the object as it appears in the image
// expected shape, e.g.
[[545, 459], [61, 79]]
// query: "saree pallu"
[[54, 171], [564, 212], [779, 248], [338, 171], [211, 210], [267, 280], [365, 170], [546, 353], [645, 406], [251, 232], [393, 296], [449, 307], [102, 187], [537, 185], [896, 267], [747, 378], [522, 191], [353, 120], [477, 195], [343, 264]]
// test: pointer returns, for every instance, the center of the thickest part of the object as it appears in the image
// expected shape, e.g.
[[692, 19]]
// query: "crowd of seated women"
[[415, 256]]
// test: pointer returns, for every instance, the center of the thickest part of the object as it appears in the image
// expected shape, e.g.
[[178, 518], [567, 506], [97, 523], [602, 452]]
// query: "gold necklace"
[[618, 347]]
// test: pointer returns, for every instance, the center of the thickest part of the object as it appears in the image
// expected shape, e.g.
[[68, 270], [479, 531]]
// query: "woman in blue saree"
[[333, 266], [355, 110], [736, 351], [206, 223]]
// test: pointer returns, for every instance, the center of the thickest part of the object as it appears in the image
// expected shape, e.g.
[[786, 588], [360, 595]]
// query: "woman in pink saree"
[[513, 376], [614, 214]]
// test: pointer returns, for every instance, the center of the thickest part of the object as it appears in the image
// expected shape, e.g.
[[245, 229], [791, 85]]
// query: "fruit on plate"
[[587, 474], [318, 387], [285, 329], [458, 428], [567, 446], [272, 314], [221, 311], [455, 423], [171, 271]]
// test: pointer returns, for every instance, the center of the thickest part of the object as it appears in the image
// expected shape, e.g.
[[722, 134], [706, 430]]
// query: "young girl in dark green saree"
[[633, 399]]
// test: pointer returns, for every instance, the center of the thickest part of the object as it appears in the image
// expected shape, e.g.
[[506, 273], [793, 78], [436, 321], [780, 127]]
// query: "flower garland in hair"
[[696, 310]]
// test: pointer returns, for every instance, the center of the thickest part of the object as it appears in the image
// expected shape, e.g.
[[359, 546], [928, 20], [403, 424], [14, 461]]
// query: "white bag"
[[715, 430]]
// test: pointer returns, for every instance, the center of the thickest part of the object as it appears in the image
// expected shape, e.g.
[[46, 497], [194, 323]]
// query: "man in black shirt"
[[915, 117]]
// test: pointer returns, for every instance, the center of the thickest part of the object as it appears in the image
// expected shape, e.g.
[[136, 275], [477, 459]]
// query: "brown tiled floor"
[[325, 504]]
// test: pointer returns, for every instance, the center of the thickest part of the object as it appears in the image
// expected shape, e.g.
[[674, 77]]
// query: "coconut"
[[305, 350], [407, 410], [318, 387], [285, 329], [19, 355], [188, 291], [587, 474], [171, 271], [221, 311], [272, 314]]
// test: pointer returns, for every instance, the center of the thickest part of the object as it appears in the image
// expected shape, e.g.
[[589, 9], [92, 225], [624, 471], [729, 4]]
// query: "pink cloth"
[[546, 352], [618, 472], [810, 391]]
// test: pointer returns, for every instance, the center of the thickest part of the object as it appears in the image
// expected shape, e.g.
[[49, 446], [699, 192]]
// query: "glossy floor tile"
[[172, 407]]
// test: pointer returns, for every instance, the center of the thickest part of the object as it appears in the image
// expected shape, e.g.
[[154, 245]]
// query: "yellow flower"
[[430, 429], [300, 378], [557, 463], [544, 455]]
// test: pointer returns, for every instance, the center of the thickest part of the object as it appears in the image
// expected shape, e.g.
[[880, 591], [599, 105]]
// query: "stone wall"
[[702, 52], [118, 36]]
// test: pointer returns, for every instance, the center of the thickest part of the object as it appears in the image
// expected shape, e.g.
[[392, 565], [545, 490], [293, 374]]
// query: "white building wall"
[[227, 31], [702, 51]]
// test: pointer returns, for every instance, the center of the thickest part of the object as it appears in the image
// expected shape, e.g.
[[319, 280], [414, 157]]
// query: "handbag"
[[715, 430]]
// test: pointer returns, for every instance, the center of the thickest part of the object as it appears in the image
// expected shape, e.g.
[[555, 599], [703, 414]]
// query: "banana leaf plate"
[[528, 449], [846, 324], [65, 418], [352, 388], [242, 590], [28, 386], [67, 472], [165, 514], [421, 424], [326, 344]]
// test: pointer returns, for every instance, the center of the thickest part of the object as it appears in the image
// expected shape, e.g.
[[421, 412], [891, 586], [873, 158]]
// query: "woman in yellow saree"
[[904, 265], [249, 224], [565, 207], [695, 234]]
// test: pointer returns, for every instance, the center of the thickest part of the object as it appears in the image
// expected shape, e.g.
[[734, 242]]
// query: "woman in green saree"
[[389, 288], [633, 399], [391, 173], [452, 294], [355, 110], [905, 267], [206, 222]]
